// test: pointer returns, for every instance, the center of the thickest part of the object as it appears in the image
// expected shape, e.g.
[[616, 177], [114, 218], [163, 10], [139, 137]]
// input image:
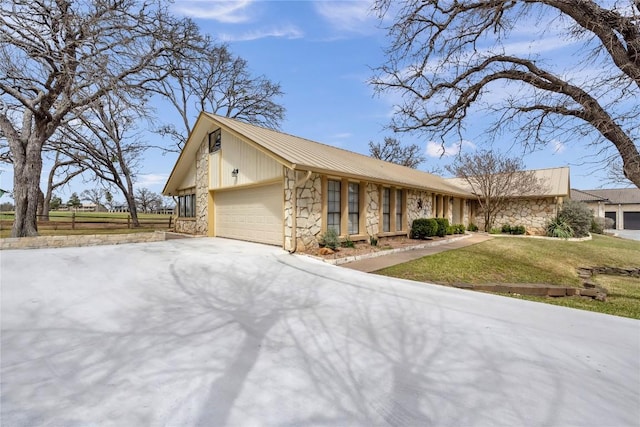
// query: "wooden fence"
[[83, 221]]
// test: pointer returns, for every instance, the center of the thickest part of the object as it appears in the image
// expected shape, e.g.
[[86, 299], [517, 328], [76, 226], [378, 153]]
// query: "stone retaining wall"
[[84, 240]]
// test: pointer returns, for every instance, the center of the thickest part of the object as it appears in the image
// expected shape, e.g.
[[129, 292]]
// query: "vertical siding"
[[214, 172], [253, 166]]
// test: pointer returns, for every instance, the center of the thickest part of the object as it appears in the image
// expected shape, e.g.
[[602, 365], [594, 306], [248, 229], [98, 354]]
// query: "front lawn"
[[522, 260]]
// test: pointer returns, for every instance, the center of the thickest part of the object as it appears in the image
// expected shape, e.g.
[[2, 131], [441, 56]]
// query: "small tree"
[[578, 216], [147, 201], [392, 151], [494, 179], [74, 201], [55, 203]]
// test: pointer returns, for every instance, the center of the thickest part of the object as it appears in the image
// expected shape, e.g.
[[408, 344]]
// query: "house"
[[534, 208], [622, 205], [241, 181]]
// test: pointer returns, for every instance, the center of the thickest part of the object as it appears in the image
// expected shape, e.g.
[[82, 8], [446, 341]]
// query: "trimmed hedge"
[[423, 228], [443, 226]]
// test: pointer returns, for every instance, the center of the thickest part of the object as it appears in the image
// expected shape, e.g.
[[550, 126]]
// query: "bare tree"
[[104, 139], [495, 179], [60, 57], [95, 196], [209, 78], [62, 171], [445, 56], [392, 151], [147, 201]]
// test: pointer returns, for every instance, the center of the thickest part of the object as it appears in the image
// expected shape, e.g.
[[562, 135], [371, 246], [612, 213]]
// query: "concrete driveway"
[[208, 332]]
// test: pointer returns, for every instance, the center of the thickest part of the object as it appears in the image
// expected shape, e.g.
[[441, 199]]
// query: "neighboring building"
[[533, 209], [245, 182], [622, 205]]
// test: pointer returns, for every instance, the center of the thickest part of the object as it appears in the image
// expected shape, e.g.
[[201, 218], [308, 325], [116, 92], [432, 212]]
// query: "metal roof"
[[303, 154], [554, 182], [584, 196], [618, 195]]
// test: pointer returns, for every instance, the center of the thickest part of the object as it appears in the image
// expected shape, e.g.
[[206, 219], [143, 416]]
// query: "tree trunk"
[[27, 168]]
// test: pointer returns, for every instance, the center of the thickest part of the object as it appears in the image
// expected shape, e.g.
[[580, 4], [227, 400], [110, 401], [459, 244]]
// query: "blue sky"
[[322, 53]]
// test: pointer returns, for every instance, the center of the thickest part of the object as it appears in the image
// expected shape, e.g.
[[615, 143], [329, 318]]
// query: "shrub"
[[578, 216], [458, 228], [373, 240], [506, 228], [599, 224], [330, 239], [443, 226], [423, 228], [451, 230], [495, 231], [472, 227], [518, 229], [559, 227], [348, 243]]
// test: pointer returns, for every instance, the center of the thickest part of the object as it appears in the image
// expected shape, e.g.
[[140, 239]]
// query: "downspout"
[[294, 210]]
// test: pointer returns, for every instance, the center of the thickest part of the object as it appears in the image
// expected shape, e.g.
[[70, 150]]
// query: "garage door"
[[631, 220], [253, 214]]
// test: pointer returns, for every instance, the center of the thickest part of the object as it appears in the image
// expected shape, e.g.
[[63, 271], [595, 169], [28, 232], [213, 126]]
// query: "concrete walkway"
[[378, 263]]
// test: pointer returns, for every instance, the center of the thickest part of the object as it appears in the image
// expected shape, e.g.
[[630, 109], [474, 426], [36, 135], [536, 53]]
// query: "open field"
[[521, 260], [65, 222]]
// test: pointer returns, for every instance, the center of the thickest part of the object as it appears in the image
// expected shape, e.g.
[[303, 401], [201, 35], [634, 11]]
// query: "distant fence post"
[[73, 220], [128, 221], [170, 221]]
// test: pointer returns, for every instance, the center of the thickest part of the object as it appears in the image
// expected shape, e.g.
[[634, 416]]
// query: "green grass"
[[517, 260]]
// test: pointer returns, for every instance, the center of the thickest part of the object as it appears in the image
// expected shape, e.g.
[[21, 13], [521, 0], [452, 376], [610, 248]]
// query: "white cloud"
[[435, 149], [288, 32], [228, 12], [352, 16], [151, 179]]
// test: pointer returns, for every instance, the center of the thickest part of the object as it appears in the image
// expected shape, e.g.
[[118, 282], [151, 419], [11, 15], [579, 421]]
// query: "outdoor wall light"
[[234, 173]]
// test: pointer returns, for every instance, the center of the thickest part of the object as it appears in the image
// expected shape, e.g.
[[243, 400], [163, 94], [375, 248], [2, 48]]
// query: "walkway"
[[380, 262]]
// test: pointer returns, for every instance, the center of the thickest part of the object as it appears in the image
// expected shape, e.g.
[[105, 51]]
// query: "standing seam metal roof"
[[305, 154]]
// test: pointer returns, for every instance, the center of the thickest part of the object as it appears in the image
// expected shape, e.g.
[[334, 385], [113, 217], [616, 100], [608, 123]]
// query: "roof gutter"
[[294, 210]]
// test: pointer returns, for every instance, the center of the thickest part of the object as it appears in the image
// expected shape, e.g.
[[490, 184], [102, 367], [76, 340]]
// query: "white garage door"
[[253, 214]]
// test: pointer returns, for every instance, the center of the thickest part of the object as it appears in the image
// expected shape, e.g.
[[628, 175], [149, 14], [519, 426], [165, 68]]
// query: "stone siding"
[[187, 226], [309, 209], [532, 213], [75, 241], [419, 205], [202, 189], [372, 212]]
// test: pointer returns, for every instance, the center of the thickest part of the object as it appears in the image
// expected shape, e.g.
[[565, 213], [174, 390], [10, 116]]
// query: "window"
[[333, 206], [386, 209], [187, 206], [398, 210], [215, 140], [354, 207]]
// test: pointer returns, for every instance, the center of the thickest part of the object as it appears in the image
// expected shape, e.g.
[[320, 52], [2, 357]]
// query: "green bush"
[[443, 226], [559, 227], [330, 239], [458, 228], [373, 240], [495, 230], [423, 228], [348, 243], [518, 229], [506, 228], [578, 216], [472, 227]]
